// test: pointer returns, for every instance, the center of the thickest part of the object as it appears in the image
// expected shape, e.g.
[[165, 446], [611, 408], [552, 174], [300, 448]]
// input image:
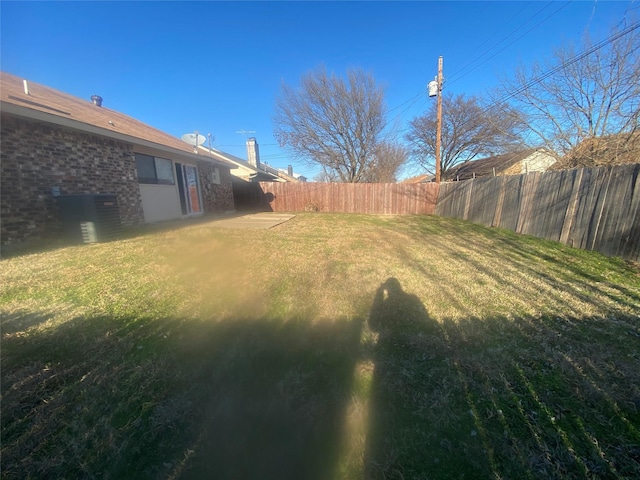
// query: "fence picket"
[[594, 209]]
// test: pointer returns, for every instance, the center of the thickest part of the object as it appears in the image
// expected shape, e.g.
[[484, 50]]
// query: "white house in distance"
[[252, 169]]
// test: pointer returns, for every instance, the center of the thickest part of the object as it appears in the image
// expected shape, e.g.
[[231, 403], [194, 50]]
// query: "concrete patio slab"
[[258, 221]]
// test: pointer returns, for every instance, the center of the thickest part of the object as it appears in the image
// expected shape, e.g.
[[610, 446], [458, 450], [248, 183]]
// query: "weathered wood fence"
[[590, 208], [381, 198]]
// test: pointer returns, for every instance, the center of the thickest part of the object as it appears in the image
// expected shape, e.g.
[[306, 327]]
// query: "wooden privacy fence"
[[589, 208], [381, 198]]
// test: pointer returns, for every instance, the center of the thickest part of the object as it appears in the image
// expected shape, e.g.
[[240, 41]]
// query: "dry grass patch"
[[331, 346]]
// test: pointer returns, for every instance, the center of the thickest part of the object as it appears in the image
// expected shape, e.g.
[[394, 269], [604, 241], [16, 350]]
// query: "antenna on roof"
[[211, 138], [245, 132], [194, 139]]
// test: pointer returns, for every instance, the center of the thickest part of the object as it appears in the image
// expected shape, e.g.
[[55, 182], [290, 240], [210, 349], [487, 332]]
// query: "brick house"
[[55, 144], [514, 163]]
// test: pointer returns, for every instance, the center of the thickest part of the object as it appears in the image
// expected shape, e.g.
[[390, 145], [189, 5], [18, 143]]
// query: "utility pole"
[[439, 120]]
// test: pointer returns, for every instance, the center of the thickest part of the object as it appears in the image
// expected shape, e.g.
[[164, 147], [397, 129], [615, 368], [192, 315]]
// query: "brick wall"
[[35, 157], [216, 198]]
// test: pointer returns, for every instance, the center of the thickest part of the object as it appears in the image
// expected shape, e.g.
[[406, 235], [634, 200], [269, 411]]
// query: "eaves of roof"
[[47, 105], [287, 177], [91, 129], [227, 157]]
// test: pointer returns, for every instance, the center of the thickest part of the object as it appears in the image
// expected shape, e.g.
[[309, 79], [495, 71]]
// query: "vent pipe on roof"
[[26, 87], [97, 100], [290, 170]]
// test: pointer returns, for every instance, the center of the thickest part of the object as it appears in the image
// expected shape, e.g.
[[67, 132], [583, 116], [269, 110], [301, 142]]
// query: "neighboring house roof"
[[243, 167], [282, 174], [296, 177], [499, 164], [419, 179], [52, 106], [264, 173], [617, 149]]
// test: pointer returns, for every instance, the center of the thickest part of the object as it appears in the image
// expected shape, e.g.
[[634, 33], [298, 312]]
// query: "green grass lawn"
[[329, 347]]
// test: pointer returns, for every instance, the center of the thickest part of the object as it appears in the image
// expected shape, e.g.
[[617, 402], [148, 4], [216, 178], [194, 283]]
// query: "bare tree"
[[326, 176], [332, 122], [387, 161], [583, 105], [468, 131]]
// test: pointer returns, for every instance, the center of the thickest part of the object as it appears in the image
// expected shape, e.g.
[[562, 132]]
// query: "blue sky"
[[217, 67]]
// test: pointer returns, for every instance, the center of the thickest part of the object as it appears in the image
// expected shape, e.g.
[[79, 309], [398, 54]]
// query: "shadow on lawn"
[[573, 271], [141, 398], [400, 360], [21, 320], [58, 241], [501, 398], [274, 400], [256, 398], [418, 420]]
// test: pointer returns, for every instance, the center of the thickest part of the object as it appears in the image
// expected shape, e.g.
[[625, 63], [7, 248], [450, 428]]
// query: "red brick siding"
[[36, 157], [216, 198]]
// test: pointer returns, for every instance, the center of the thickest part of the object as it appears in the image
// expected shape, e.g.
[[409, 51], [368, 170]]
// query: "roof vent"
[[97, 100]]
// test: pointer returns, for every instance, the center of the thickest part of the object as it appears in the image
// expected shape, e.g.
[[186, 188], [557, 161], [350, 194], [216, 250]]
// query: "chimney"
[[97, 100], [290, 170], [253, 153]]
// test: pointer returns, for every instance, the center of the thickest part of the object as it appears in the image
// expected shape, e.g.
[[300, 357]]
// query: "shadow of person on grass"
[[401, 358], [274, 399]]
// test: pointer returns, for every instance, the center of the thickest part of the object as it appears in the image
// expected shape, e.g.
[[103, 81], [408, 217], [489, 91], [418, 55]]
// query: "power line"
[[511, 43], [575, 59], [456, 72], [412, 101], [553, 71], [418, 95], [461, 75]]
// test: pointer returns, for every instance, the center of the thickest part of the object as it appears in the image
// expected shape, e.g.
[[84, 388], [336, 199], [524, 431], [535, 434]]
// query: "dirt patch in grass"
[[331, 346]]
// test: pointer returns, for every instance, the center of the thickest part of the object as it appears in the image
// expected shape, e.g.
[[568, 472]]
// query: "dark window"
[[154, 170]]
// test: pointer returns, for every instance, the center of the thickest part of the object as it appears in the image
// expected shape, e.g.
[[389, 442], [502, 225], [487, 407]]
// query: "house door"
[[187, 177]]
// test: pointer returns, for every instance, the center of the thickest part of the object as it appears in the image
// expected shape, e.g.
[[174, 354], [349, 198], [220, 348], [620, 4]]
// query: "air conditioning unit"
[[90, 218]]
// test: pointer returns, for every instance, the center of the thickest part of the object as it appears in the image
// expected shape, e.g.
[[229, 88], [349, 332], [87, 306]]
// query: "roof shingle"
[[59, 104], [484, 167]]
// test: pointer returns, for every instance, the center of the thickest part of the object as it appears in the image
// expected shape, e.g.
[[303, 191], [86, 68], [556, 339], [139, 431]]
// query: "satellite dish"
[[194, 139]]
